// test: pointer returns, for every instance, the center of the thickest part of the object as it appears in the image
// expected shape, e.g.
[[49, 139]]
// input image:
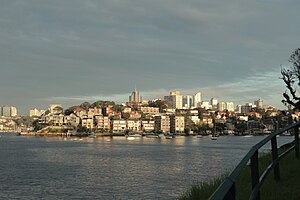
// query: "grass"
[[287, 188]]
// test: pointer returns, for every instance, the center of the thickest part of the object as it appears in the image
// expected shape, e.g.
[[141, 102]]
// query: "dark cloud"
[[62, 50]]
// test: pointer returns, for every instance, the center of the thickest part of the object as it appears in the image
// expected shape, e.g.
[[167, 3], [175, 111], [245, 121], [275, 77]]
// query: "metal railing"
[[227, 189]]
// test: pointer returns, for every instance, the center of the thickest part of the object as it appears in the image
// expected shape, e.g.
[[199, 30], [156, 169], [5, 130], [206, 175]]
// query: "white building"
[[197, 99], [206, 105], [222, 106], [177, 124], [36, 113], [214, 103], [174, 100], [259, 103], [230, 106], [187, 102]]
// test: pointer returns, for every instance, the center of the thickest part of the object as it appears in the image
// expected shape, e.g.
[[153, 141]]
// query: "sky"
[[71, 51]]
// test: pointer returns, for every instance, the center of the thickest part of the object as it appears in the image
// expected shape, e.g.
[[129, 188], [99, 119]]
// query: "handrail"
[[227, 189]]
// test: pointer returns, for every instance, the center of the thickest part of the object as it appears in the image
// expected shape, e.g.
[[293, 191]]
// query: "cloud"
[[87, 48]]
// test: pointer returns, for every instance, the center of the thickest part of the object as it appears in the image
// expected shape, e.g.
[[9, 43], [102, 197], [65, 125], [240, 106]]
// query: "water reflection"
[[114, 168]]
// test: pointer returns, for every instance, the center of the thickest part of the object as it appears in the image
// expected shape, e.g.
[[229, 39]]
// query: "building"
[[222, 106], [72, 120], [177, 124], [135, 97], [230, 106], [149, 110], [148, 125], [197, 99], [36, 113], [238, 108], [53, 108], [205, 105], [13, 111], [246, 108], [87, 122], [162, 123], [187, 102], [102, 122], [134, 125], [9, 111], [174, 100], [119, 125], [214, 103], [259, 104]]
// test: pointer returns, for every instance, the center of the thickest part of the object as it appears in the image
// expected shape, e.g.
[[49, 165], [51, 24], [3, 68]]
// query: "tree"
[[85, 105], [161, 104], [291, 78]]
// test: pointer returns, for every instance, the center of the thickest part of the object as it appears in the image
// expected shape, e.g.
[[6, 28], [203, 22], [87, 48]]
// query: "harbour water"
[[114, 168]]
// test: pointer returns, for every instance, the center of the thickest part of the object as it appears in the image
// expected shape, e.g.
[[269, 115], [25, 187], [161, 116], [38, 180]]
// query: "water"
[[114, 168]]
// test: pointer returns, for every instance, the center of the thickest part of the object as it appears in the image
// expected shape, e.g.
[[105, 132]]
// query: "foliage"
[[161, 104], [101, 103], [37, 126], [25, 120], [70, 110], [291, 78], [85, 105], [286, 188]]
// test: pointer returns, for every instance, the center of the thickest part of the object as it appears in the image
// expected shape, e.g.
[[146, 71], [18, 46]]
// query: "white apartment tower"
[[197, 99], [13, 111], [214, 103], [258, 103], [230, 106], [9, 111], [135, 97], [221, 106], [174, 100], [187, 102]]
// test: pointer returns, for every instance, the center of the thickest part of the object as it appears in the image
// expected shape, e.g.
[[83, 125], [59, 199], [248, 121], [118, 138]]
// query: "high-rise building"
[[6, 111], [238, 108], [197, 99], [9, 111], [135, 97], [246, 108], [259, 103], [214, 103], [13, 111], [230, 106], [205, 105], [187, 101], [222, 106], [174, 100]]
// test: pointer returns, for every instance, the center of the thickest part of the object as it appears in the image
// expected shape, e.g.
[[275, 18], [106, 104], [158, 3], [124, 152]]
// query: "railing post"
[[274, 157], [296, 133], [231, 193], [255, 172]]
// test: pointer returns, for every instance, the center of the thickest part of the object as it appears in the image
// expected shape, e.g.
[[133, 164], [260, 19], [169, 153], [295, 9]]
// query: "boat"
[[246, 136], [134, 135], [130, 138], [151, 136], [213, 137], [92, 136], [169, 137], [199, 136]]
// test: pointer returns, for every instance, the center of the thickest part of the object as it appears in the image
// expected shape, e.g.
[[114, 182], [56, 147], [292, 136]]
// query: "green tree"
[[70, 110], [101, 103], [161, 104], [291, 78], [85, 105]]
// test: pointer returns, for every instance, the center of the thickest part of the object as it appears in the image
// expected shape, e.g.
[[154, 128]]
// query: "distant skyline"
[[67, 52]]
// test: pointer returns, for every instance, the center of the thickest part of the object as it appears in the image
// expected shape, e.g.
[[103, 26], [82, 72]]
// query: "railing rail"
[[227, 189]]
